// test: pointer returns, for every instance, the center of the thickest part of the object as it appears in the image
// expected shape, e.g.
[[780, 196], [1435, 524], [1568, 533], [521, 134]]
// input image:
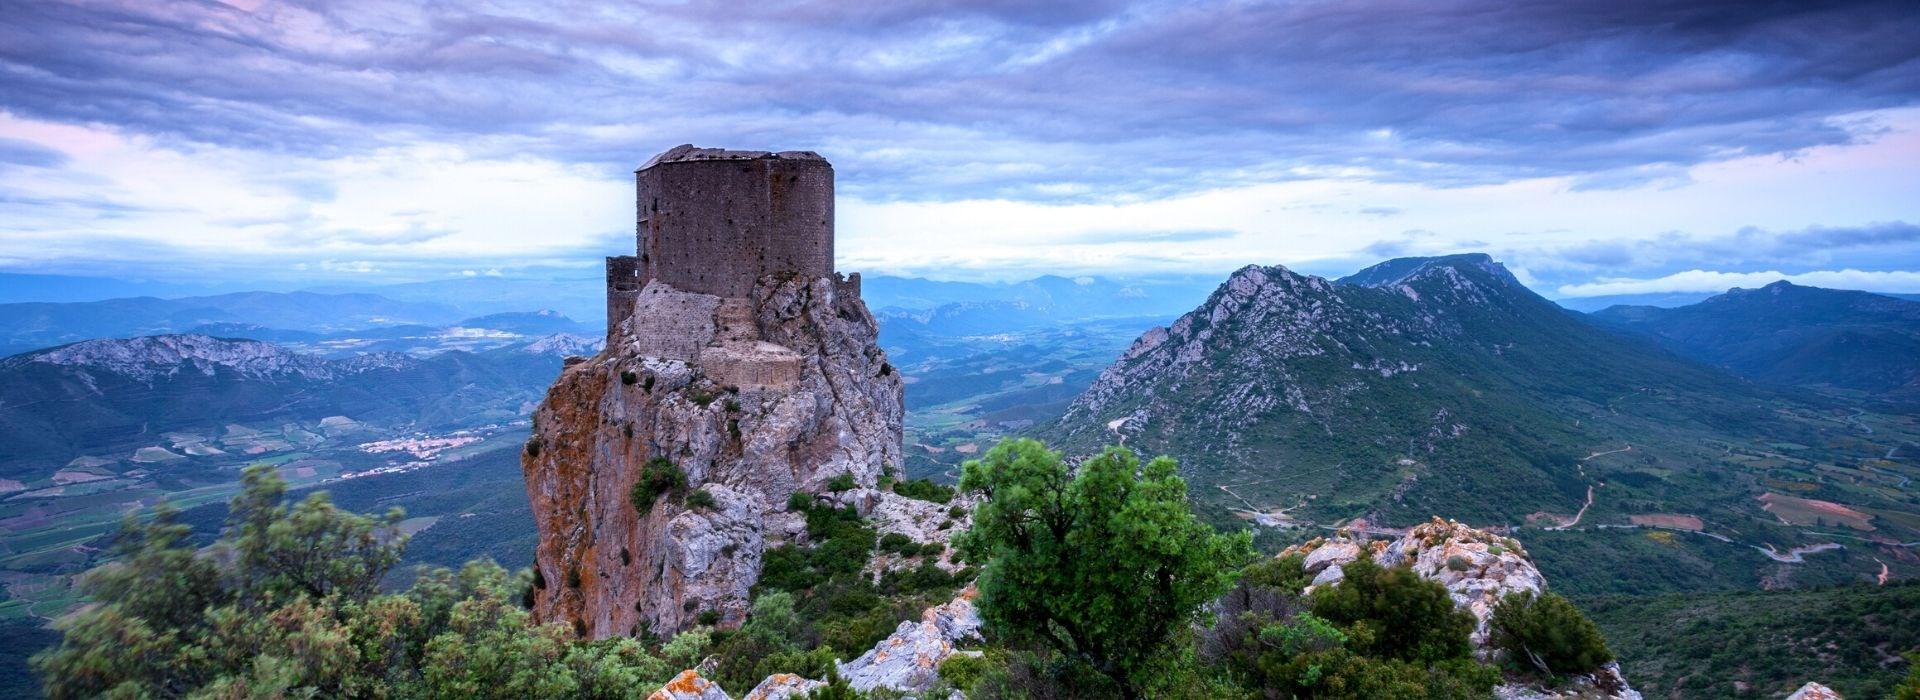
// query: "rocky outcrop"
[[1814, 691], [826, 403], [909, 659], [689, 686], [1477, 568], [783, 686]]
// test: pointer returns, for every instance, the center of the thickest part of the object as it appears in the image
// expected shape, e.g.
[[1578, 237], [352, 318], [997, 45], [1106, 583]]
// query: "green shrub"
[[963, 670], [932, 549], [573, 577], [896, 542], [533, 447], [799, 502], [1546, 633], [843, 482], [1395, 614], [708, 617], [1458, 563], [629, 377], [924, 490], [646, 384], [701, 499], [658, 476]]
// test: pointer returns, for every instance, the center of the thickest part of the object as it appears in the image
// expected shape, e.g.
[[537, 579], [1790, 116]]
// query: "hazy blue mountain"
[[1790, 334], [18, 288], [579, 298], [1665, 300], [543, 322], [31, 325]]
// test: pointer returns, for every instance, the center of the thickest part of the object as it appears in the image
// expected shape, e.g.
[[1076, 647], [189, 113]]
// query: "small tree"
[[1547, 633], [1109, 565]]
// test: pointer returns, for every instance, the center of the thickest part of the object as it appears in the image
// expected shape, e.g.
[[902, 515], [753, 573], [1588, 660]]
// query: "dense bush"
[[925, 490], [658, 476], [1546, 633], [1394, 614], [843, 482], [701, 499], [1270, 642], [899, 544]]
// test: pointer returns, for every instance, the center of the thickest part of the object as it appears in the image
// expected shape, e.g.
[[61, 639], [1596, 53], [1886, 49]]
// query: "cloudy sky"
[[1596, 146]]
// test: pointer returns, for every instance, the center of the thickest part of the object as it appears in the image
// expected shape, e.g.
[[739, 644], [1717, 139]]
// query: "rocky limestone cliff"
[[1478, 568], [752, 399]]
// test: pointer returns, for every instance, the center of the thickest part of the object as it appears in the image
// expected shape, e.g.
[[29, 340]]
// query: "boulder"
[[689, 686]]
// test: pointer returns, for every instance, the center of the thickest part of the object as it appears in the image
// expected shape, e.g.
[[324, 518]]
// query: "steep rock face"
[[1477, 568], [829, 405]]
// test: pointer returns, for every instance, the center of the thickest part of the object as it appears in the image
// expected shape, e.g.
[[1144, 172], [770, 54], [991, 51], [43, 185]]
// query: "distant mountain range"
[[1789, 334], [323, 323], [32, 325], [114, 397], [1427, 386]]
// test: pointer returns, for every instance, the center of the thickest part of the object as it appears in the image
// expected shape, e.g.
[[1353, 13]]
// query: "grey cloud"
[[1111, 237], [1874, 246], [929, 99], [15, 152]]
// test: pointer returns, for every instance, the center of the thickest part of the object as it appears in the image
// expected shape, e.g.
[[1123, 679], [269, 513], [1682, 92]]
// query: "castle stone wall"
[[751, 366], [714, 222], [623, 287], [671, 324]]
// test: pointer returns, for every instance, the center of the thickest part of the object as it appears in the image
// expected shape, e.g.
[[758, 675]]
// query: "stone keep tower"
[[711, 223]]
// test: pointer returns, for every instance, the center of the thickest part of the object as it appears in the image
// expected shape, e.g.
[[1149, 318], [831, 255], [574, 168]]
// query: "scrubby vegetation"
[[1697, 645], [657, 477], [925, 490], [286, 604], [1095, 582]]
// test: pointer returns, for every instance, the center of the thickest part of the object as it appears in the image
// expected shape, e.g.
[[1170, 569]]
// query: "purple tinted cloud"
[[941, 99]]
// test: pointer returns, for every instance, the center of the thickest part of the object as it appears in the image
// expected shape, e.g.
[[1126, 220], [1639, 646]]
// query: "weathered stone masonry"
[[714, 221]]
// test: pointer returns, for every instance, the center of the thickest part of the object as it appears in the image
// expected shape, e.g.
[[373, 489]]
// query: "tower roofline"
[[686, 153]]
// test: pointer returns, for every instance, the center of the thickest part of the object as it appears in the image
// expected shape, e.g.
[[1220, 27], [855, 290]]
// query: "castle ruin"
[[737, 355], [711, 223]]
